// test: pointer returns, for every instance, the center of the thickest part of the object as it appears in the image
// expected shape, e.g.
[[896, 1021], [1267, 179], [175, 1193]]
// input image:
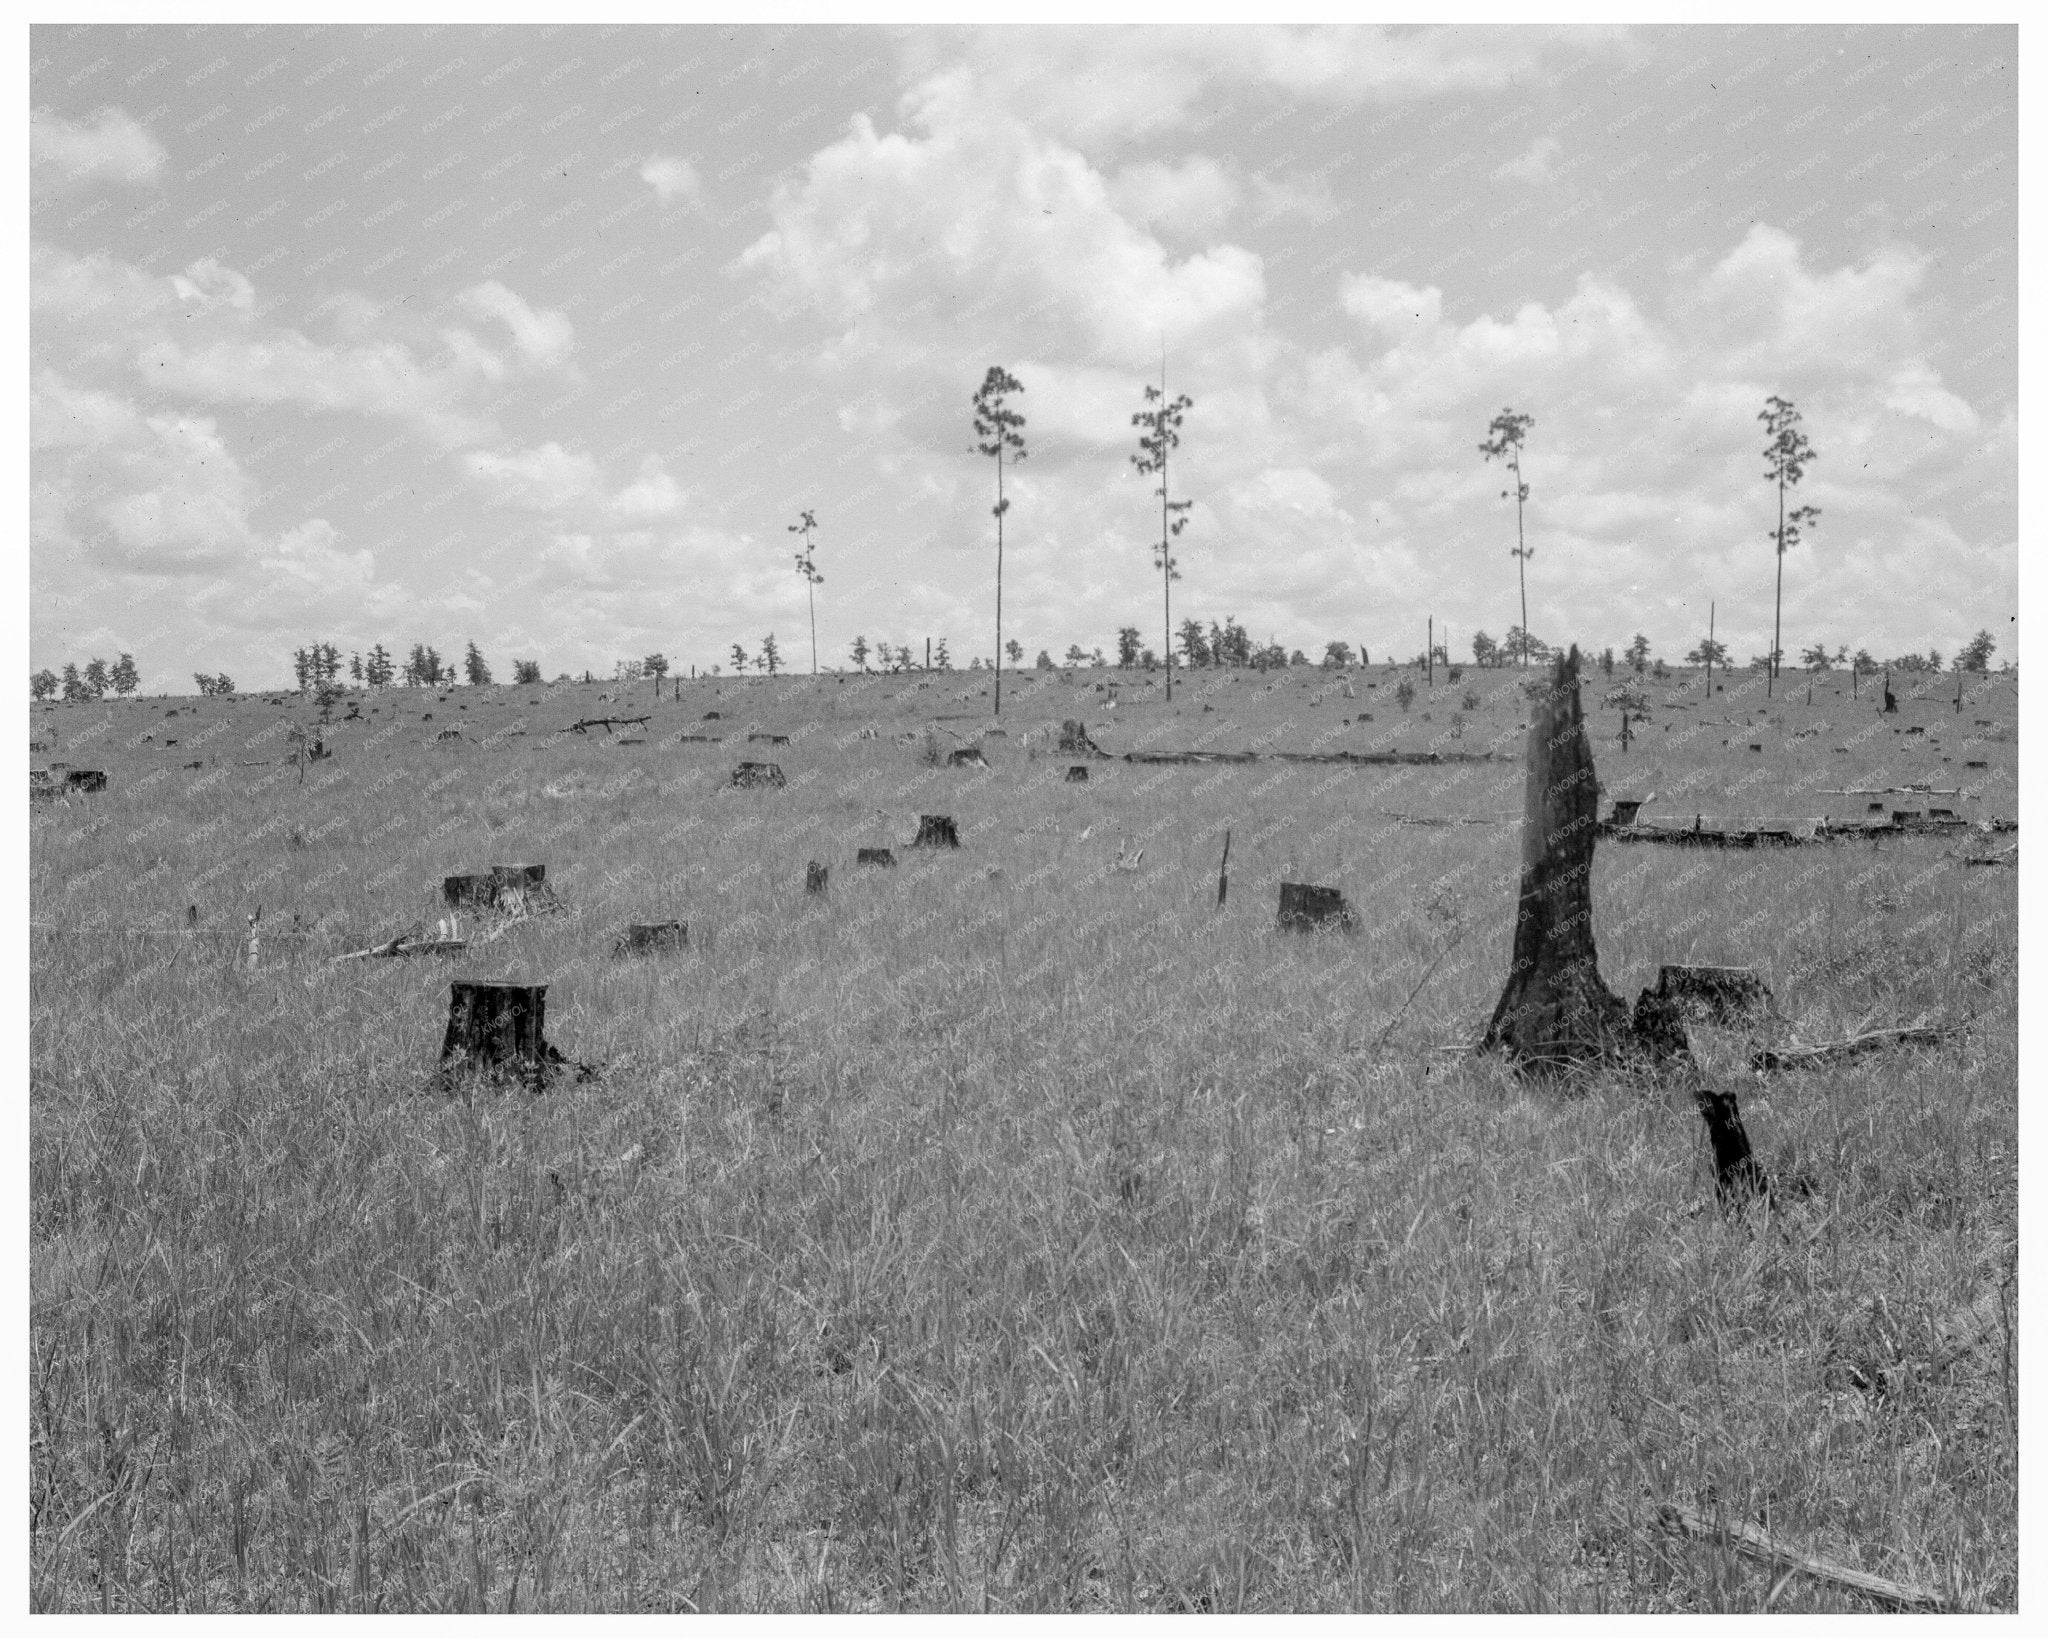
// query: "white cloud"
[[64, 156], [1535, 164], [1191, 200], [672, 178], [547, 479], [544, 338]]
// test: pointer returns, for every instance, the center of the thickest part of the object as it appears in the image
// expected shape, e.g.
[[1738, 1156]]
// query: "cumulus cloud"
[[544, 339], [673, 179], [65, 156], [1192, 199], [547, 479], [1534, 164]]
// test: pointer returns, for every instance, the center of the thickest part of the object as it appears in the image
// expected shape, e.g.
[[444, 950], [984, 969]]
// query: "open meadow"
[[1008, 1229]]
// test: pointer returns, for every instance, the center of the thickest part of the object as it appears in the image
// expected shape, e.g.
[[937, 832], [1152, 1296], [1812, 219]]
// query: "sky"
[[541, 337]]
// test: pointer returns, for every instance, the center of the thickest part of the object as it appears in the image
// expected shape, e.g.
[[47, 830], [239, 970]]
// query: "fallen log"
[[1855, 1046], [606, 723], [1752, 1542]]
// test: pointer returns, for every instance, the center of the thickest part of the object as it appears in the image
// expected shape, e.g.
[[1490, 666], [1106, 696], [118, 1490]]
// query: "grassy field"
[[1007, 1230]]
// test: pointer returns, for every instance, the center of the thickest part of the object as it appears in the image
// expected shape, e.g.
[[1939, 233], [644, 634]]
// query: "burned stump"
[[1078, 774], [1074, 739], [1737, 1175], [652, 938], [967, 756], [1303, 908], [936, 830], [516, 888], [1626, 808], [85, 779], [771, 739], [815, 877], [1555, 1011], [1720, 995], [469, 892], [753, 775], [875, 856], [497, 1026]]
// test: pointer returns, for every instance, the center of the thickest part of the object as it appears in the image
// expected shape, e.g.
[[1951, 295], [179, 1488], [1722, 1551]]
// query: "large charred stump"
[[1555, 1011], [497, 1026], [815, 877], [1720, 995], [749, 775], [1303, 908], [516, 888], [936, 830], [469, 892], [874, 856]]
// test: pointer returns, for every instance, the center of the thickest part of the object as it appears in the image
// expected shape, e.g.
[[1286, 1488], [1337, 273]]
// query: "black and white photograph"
[[1143, 816]]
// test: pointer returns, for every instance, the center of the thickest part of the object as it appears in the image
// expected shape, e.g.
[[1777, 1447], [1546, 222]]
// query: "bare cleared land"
[[1008, 1229]]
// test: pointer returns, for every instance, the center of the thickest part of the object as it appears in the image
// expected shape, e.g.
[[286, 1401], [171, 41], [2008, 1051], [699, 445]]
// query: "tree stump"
[[875, 856], [936, 830], [1075, 741], [967, 756], [772, 739], [652, 938], [1554, 1010], [1078, 774], [815, 877], [471, 892], [1723, 995], [756, 774], [1891, 703], [1625, 809], [1737, 1175], [85, 779], [517, 887], [1303, 908], [497, 1026]]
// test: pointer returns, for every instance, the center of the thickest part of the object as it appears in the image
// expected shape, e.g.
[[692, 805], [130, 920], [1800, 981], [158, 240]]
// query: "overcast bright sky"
[[541, 336]]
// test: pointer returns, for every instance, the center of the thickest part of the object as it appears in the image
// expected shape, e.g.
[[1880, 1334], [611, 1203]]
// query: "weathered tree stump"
[[652, 938], [1625, 809], [1737, 1175], [772, 739], [85, 779], [756, 774], [1659, 1027], [711, 716], [1891, 703], [936, 830], [1303, 908], [875, 856], [966, 756], [815, 877], [1723, 995], [470, 892], [1075, 741], [1555, 1011], [1078, 774], [516, 888], [497, 1025]]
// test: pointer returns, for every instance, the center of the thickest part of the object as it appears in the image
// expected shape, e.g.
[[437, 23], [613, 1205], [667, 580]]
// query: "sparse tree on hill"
[[1864, 660], [860, 652], [771, 656], [1786, 454], [1149, 660], [355, 669], [1194, 647], [1297, 658], [1976, 654], [1709, 652], [808, 568], [1529, 646], [1637, 653], [377, 668], [1076, 655], [655, 666], [1607, 662], [43, 684], [739, 659], [1127, 646], [1015, 650], [1158, 438], [1044, 661], [1817, 657], [1504, 437], [474, 668], [1336, 654], [1000, 431], [1485, 651], [126, 681], [942, 659], [74, 685], [526, 671]]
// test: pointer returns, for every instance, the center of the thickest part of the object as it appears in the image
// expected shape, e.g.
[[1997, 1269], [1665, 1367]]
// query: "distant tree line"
[[93, 683]]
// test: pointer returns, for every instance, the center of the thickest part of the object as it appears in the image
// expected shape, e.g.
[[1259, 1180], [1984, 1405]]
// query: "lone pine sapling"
[[1786, 454], [805, 523], [1504, 439], [1000, 431], [1158, 437]]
